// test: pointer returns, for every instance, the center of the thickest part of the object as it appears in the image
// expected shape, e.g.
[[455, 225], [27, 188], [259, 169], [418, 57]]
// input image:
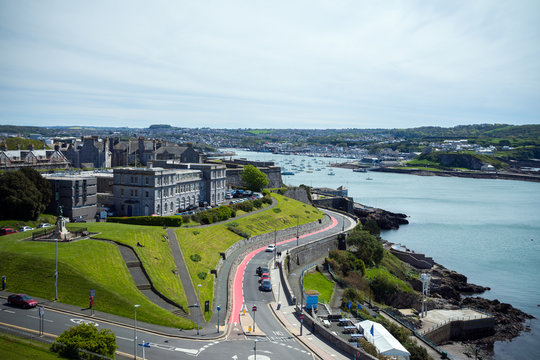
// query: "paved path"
[[183, 273]]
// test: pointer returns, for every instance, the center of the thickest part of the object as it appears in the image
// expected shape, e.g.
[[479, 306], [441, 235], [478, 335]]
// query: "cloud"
[[269, 64]]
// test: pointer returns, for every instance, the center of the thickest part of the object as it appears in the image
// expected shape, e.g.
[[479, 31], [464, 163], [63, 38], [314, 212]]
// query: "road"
[[275, 342]]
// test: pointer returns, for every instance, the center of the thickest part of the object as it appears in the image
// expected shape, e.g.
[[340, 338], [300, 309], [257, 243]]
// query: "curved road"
[[273, 340]]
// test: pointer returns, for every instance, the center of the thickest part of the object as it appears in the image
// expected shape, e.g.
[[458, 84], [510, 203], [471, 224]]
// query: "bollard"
[[4, 282]]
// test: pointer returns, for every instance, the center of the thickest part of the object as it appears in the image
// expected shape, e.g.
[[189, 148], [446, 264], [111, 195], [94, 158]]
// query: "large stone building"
[[214, 179], [76, 193], [89, 152], [141, 152], [37, 159], [160, 191]]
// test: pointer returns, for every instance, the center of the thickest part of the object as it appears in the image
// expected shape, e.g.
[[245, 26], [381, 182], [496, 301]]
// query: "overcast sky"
[[269, 64]]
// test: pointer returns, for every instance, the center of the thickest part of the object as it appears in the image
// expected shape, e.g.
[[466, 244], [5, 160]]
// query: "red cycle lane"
[[238, 291]]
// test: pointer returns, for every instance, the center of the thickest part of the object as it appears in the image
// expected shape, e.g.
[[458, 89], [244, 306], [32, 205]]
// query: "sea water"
[[488, 230]]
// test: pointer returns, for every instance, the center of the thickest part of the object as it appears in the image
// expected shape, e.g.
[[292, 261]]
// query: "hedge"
[[173, 221]]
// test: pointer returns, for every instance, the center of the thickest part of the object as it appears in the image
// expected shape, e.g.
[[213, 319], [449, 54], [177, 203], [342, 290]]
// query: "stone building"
[[37, 159], [89, 152], [155, 190]]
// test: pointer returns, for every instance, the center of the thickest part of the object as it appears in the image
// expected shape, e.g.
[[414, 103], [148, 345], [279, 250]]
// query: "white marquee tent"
[[386, 344]]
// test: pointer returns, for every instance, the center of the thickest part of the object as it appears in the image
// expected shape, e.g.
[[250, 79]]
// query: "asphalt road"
[[277, 343]]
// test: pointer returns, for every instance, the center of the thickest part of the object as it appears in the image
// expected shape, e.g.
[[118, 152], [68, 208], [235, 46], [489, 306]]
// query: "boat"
[[359, 170], [331, 173], [287, 173], [368, 178]]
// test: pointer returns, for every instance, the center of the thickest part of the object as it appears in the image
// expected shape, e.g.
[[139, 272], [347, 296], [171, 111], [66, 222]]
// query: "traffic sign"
[[93, 292], [301, 316], [254, 308], [145, 344], [41, 311]]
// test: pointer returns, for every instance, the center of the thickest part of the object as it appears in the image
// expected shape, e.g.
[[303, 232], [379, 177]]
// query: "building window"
[[136, 192], [146, 194], [147, 180], [122, 192]]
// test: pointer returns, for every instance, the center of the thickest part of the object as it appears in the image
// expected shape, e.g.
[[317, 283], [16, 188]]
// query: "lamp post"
[[275, 244], [56, 274], [218, 308], [342, 223], [135, 331], [297, 223], [199, 306]]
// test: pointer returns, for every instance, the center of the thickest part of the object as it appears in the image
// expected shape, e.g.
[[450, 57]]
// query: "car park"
[[270, 248], [7, 231], [266, 285], [44, 225], [25, 228], [22, 300]]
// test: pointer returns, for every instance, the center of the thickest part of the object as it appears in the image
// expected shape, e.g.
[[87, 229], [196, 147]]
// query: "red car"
[[7, 231], [264, 276], [22, 300]]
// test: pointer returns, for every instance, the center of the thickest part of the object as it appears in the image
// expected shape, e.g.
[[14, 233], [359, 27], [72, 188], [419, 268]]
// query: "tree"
[[85, 337], [42, 185], [368, 248], [254, 178], [19, 197]]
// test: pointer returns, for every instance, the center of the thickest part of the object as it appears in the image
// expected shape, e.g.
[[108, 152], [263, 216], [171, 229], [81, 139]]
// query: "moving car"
[[44, 225], [266, 285], [22, 300], [270, 248], [25, 228], [264, 276]]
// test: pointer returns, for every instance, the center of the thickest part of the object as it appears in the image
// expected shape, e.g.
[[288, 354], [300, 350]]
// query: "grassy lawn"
[[319, 282], [155, 256], [16, 348], [82, 266], [208, 242]]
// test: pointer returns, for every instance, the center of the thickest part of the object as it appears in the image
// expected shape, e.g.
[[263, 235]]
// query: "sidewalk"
[[286, 315]]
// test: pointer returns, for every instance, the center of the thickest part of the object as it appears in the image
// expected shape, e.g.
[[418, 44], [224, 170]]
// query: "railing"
[[452, 319]]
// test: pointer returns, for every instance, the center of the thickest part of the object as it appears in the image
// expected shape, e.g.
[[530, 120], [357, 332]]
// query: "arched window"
[[158, 210], [165, 207]]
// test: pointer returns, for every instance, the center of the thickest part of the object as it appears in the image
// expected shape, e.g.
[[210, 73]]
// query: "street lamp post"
[[275, 244], [56, 274], [199, 306], [218, 308], [135, 331], [297, 223], [342, 223]]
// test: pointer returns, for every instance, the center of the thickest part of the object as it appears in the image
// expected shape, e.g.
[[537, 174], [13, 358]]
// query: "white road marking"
[[82, 321], [123, 338], [37, 317], [187, 351], [9, 311]]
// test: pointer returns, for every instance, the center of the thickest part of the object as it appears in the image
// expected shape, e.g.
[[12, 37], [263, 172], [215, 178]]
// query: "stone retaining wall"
[[459, 330]]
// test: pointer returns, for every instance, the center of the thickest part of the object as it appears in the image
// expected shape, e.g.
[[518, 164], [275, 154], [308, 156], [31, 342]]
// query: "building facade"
[[36, 159], [89, 152], [214, 179], [76, 193], [159, 191]]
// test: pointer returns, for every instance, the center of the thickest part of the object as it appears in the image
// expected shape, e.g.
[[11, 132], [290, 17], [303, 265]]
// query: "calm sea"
[[488, 230]]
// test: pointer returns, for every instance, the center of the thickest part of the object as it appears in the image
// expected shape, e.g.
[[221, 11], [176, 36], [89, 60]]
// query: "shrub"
[[258, 203], [196, 232], [202, 275], [195, 257], [234, 228], [85, 337], [172, 221], [267, 199], [276, 210]]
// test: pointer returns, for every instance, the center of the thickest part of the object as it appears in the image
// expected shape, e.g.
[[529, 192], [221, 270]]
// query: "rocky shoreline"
[[451, 290]]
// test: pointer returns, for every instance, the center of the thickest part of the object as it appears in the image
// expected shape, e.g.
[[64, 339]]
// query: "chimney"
[[149, 165], [56, 147]]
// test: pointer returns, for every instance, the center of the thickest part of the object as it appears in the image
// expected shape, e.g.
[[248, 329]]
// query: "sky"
[[269, 64]]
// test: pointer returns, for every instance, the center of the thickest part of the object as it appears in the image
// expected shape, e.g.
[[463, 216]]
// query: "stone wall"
[[234, 176], [419, 261], [461, 330], [341, 203], [298, 193]]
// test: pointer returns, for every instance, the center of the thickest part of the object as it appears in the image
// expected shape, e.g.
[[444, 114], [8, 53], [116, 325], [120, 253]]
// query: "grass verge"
[[319, 282], [17, 348]]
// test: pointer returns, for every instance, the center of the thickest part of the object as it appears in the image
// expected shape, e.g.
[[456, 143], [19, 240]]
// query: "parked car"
[[266, 285], [25, 228], [262, 270], [7, 231], [264, 276], [22, 300], [44, 225], [270, 248]]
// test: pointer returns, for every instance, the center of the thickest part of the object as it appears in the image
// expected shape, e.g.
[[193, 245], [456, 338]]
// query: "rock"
[[386, 220]]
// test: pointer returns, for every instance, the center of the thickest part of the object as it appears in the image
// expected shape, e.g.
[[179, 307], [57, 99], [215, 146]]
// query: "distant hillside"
[[464, 160], [13, 143]]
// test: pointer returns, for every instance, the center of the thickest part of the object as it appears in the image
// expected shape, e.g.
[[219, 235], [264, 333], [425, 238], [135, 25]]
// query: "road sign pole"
[[254, 309], [218, 308], [143, 350], [301, 322]]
